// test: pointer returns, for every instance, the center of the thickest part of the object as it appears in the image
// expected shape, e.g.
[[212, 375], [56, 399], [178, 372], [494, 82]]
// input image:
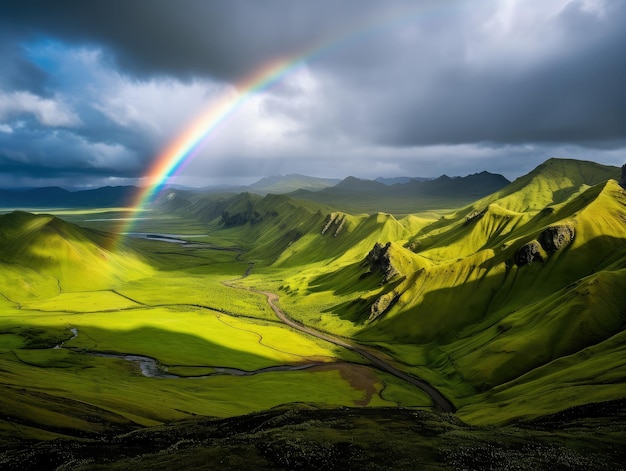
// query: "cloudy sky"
[[91, 93]]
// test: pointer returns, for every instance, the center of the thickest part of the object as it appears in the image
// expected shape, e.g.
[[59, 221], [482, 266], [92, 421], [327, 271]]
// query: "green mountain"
[[44, 250], [501, 288], [463, 286], [287, 183], [520, 291]]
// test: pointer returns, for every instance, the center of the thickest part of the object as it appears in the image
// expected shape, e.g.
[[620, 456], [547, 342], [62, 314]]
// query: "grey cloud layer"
[[448, 73]]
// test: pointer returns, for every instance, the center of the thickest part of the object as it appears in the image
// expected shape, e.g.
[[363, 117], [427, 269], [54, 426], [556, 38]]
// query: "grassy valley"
[[140, 352]]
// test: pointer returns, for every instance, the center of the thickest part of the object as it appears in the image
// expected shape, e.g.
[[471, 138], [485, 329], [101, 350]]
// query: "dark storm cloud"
[[400, 84], [63, 153], [433, 94], [186, 38]]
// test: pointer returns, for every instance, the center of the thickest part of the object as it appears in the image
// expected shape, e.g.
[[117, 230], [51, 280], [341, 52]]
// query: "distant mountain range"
[[353, 194], [394, 180], [55, 197], [288, 183], [387, 194]]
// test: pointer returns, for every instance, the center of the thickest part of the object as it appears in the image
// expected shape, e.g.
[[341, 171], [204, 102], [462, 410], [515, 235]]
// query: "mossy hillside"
[[346, 239], [552, 182], [463, 291], [285, 232], [592, 375], [532, 200], [266, 226], [336, 295], [493, 275], [288, 233], [510, 319], [576, 317], [20, 284], [78, 258]]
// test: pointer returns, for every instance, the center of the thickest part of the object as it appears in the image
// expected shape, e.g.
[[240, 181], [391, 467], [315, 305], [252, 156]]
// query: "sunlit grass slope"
[[484, 319], [79, 259], [283, 232], [61, 284]]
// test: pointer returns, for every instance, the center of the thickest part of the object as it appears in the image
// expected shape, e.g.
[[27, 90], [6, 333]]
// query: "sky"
[[91, 93]]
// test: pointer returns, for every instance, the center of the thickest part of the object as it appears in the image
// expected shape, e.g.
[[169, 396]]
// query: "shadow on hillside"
[[171, 348], [347, 280], [534, 314]]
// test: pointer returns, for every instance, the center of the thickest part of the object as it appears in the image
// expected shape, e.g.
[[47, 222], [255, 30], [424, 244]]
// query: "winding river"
[[151, 368]]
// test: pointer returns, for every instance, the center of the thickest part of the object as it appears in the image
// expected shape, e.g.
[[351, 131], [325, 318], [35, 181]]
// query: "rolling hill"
[[45, 249]]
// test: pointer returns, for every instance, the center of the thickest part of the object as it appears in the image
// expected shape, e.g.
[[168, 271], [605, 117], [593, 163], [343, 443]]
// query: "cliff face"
[[379, 261]]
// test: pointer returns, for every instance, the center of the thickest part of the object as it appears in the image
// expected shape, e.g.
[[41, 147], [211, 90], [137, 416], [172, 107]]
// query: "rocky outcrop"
[[528, 253], [382, 305], [475, 216], [622, 181], [556, 237], [338, 222], [378, 260]]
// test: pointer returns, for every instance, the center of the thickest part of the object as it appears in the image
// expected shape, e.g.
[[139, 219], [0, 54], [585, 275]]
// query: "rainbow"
[[187, 144]]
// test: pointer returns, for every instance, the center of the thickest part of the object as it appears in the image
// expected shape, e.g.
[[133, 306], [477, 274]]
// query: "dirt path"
[[439, 400]]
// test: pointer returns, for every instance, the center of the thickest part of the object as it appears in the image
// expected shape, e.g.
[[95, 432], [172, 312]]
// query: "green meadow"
[[160, 300], [512, 307]]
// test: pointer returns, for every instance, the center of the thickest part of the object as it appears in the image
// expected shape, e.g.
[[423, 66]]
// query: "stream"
[[151, 368], [172, 238], [74, 331]]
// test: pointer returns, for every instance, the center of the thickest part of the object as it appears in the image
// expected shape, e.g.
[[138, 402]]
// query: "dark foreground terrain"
[[307, 437]]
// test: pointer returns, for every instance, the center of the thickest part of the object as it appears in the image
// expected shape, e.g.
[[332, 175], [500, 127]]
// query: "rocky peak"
[[378, 259]]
